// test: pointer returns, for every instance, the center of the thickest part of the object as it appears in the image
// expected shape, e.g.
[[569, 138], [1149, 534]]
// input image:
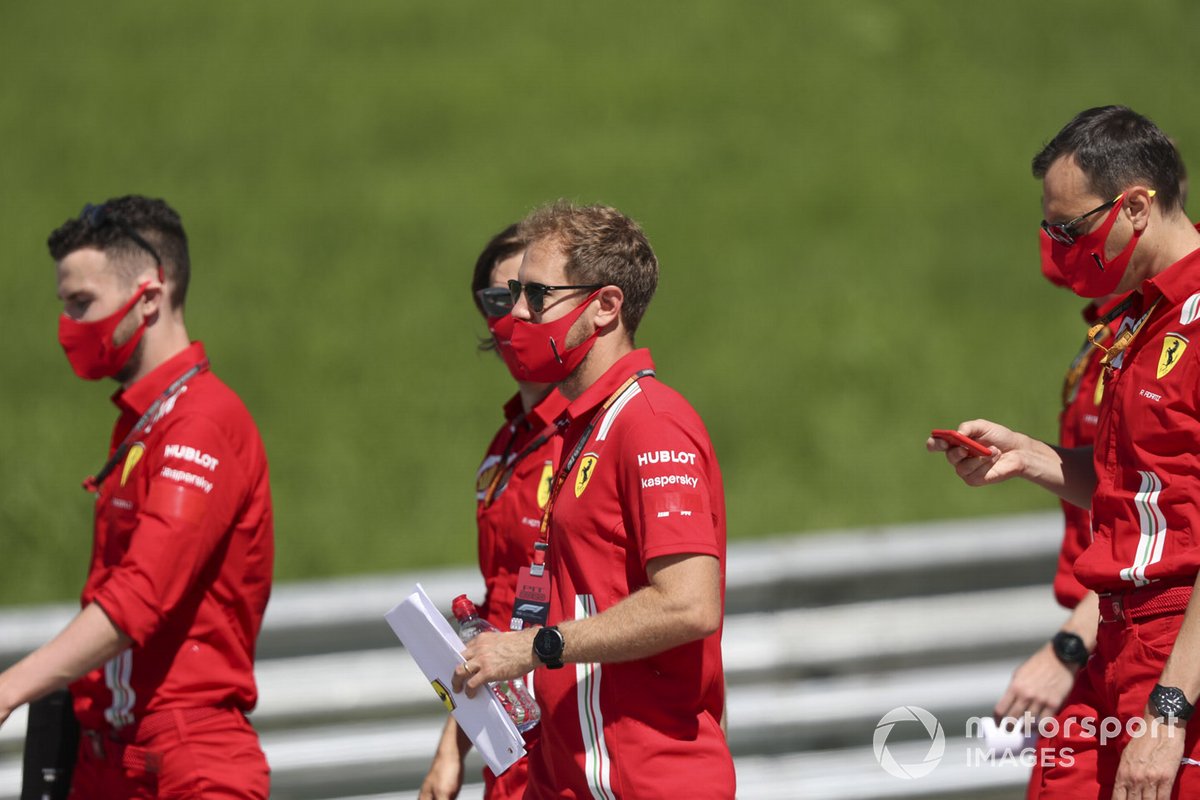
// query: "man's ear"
[[1138, 201], [611, 298], [154, 299]]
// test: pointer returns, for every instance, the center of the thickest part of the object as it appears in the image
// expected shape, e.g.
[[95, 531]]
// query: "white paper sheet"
[[437, 649]]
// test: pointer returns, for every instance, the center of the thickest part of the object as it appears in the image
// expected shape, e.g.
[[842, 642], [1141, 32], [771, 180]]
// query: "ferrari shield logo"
[[587, 465], [546, 484], [1172, 352], [440, 689], [131, 460]]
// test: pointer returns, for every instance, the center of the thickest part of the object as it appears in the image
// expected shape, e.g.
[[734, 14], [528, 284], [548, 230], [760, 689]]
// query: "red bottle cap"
[[463, 608]]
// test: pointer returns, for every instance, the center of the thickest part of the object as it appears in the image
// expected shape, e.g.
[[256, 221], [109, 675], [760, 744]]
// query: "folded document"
[[437, 650]]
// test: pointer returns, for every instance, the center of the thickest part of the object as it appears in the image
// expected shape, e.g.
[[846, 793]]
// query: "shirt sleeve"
[[664, 472], [195, 487]]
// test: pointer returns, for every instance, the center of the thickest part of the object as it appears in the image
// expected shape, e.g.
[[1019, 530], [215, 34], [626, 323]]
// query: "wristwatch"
[[1169, 701], [1070, 649], [548, 647]]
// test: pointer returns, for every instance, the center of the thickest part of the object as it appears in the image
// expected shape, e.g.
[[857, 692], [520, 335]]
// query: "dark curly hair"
[[129, 230]]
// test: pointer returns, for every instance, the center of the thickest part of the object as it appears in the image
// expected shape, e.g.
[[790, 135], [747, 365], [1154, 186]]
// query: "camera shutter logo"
[[937, 742]]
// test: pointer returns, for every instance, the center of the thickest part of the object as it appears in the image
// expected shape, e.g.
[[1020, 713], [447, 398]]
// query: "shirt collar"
[[139, 397], [548, 410], [609, 382], [545, 412], [1176, 283], [513, 408]]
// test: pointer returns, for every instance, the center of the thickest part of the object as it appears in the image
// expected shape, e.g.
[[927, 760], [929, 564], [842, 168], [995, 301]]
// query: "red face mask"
[[1083, 266], [538, 353], [502, 330], [1049, 270], [89, 345]]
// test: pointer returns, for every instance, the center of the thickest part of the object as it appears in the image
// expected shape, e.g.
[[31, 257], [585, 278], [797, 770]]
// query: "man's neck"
[[531, 394], [597, 362], [1177, 240], [158, 350]]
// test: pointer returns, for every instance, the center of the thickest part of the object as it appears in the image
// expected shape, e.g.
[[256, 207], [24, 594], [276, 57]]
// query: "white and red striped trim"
[[596, 761]]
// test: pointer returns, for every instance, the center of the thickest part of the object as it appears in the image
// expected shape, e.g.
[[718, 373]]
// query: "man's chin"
[[132, 367]]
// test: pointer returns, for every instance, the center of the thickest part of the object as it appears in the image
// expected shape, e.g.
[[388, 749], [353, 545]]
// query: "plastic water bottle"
[[512, 694]]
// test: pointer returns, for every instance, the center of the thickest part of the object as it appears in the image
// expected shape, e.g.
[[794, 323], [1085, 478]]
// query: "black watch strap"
[[548, 647], [1070, 649], [1170, 701]]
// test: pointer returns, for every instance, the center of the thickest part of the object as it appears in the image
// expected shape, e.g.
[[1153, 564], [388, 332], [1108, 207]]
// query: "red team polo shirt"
[[646, 485], [1147, 453], [1082, 393], [520, 462], [182, 554]]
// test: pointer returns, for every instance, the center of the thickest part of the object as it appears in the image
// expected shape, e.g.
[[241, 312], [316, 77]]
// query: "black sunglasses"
[[495, 301], [1064, 232], [99, 216], [535, 293]]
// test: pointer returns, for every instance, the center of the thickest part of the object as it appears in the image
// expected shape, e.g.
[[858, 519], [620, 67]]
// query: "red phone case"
[[958, 440]]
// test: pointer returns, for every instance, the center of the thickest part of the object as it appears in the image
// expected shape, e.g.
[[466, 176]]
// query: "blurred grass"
[[838, 191]]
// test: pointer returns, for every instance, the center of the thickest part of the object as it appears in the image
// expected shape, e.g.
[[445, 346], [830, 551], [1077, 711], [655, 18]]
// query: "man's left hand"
[[1151, 761], [494, 657]]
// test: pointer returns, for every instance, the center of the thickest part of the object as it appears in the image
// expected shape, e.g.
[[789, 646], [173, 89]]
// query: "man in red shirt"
[[633, 542], [160, 660], [512, 486], [1111, 200]]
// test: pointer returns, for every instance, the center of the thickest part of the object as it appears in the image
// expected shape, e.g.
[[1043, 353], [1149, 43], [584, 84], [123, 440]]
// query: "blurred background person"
[[160, 660], [511, 489]]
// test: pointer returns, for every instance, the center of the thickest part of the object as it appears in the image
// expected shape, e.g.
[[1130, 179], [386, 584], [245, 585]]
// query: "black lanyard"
[[92, 484], [543, 543], [506, 467]]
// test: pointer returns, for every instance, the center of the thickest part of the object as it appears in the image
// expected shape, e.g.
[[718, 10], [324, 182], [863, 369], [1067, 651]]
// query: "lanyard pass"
[[532, 605]]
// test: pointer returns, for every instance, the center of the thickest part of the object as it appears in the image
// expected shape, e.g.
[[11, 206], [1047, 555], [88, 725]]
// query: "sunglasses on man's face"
[[1066, 233], [535, 293], [496, 301]]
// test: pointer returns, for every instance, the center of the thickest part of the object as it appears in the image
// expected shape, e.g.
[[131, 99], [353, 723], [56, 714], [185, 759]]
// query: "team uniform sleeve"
[[195, 487], [664, 472]]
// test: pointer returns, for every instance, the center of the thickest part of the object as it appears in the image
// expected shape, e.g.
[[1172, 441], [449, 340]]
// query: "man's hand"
[[494, 657], [1151, 761], [1067, 472], [1038, 687], [443, 781], [978, 470], [445, 777]]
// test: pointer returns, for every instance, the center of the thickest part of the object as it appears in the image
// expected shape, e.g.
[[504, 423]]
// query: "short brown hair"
[[601, 245]]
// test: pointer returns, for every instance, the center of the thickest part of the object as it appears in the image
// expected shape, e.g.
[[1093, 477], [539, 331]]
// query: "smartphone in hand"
[[956, 439]]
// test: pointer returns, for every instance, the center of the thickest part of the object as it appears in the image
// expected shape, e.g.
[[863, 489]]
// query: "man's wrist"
[[547, 649], [1069, 649], [1170, 703]]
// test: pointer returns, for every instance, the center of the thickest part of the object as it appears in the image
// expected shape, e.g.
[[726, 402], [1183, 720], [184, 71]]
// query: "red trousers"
[[1112, 689], [176, 754]]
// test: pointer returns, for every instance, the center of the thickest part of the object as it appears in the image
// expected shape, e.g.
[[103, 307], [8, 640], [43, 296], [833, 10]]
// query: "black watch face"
[[1070, 649], [1170, 702], [548, 643]]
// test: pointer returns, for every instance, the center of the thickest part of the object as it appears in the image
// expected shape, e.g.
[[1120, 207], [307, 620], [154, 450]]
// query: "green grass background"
[[838, 191]]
